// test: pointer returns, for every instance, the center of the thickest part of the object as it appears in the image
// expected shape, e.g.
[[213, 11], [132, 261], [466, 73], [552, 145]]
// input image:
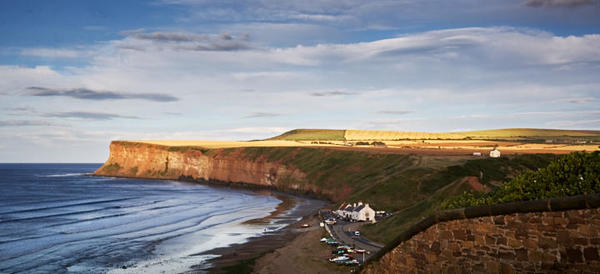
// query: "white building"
[[495, 153], [357, 211], [363, 213], [345, 210]]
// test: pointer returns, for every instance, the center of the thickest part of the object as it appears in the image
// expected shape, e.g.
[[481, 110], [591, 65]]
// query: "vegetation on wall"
[[572, 174]]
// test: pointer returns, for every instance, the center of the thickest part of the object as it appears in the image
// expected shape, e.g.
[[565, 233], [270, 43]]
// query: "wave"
[[66, 205], [64, 175]]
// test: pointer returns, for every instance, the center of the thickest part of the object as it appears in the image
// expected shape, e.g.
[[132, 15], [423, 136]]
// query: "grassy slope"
[[531, 132], [438, 184], [312, 135], [410, 185], [338, 172]]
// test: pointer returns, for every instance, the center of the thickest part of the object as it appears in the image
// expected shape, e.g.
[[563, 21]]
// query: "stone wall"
[[561, 241]]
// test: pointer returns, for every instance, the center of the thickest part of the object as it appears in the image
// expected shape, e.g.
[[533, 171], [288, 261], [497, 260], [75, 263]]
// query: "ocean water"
[[54, 219]]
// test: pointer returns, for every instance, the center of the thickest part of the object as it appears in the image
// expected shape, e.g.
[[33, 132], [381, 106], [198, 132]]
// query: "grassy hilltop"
[[509, 134]]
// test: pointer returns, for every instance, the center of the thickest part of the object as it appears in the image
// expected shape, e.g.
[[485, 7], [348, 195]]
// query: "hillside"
[[512, 134], [431, 183], [573, 174], [409, 184], [311, 135]]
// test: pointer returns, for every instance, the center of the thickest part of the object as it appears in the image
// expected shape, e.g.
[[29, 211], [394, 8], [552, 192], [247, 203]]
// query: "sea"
[[56, 219]]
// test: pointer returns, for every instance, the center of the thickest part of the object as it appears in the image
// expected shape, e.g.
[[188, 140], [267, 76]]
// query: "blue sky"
[[75, 75]]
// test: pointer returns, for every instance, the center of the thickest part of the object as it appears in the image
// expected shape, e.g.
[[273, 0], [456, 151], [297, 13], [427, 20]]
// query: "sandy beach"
[[293, 210]]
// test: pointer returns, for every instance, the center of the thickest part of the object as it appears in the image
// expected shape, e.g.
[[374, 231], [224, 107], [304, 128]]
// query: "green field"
[[312, 135]]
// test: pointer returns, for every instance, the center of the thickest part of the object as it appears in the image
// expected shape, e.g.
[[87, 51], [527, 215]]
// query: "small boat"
[[339, 259]]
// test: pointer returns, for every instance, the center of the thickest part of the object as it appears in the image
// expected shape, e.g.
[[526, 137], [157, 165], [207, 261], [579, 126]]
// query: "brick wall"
[[562, 241]]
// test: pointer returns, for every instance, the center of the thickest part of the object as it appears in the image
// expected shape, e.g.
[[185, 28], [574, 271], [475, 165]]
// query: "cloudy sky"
[[75, 75]]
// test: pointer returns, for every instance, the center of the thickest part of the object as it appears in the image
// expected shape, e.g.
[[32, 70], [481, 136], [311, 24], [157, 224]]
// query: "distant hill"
[[312, 135], [523, 134]]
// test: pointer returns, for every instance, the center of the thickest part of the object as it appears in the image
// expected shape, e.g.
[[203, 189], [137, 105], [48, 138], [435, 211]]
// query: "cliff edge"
[[143, 160]]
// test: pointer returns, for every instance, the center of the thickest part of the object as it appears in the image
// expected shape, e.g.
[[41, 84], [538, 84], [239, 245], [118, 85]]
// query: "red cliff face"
[[128, 159]]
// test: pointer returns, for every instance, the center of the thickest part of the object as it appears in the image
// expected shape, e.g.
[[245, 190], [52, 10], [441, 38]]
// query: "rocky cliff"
[[388, 181], [130, 159]]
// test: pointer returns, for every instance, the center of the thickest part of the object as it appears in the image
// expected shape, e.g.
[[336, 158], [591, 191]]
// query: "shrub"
[[573, 174]]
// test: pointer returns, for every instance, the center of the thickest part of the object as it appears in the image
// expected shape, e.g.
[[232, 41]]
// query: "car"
[[330, 221], [357, 233], [360, 251], [351, 262], [304, 225]]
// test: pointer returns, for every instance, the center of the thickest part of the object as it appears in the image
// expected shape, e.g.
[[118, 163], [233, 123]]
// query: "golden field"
[[508, 141]]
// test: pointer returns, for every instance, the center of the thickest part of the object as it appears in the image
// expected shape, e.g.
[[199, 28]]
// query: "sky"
[[76, 74]]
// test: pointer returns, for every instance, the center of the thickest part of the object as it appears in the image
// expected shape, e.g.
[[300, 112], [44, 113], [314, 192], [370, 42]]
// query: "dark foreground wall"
[[547, 241]]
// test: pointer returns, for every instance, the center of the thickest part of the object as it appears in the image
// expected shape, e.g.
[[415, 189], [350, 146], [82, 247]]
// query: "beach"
[[294, 210]]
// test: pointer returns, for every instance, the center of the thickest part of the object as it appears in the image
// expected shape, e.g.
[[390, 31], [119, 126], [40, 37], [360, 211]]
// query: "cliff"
[[130, 159], [388, 181]]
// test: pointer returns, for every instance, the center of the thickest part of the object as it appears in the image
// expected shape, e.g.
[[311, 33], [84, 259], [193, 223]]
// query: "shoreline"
[[296, 206], [295, 209]]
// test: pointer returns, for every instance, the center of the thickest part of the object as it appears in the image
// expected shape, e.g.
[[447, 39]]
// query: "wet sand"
[[291, 209]]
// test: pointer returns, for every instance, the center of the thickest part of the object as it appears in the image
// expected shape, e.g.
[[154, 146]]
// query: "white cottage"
[[363, 212], [495, 153], [357, 211]]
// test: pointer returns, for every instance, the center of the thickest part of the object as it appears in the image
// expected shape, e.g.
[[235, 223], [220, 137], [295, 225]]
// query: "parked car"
[[357, 233], [305, 225]]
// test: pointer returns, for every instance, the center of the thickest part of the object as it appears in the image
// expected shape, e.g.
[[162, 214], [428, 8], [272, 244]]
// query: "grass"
[[387, 181], [421, 190], [539, 135], [312, 135], [335, 173], [573, 174], [531, 132]]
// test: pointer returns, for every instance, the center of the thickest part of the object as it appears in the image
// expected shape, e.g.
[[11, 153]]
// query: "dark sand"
[[304, 254]]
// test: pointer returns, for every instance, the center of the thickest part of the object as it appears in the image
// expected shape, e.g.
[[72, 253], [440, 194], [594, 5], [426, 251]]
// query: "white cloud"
[[52, 53], [458, 78]]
